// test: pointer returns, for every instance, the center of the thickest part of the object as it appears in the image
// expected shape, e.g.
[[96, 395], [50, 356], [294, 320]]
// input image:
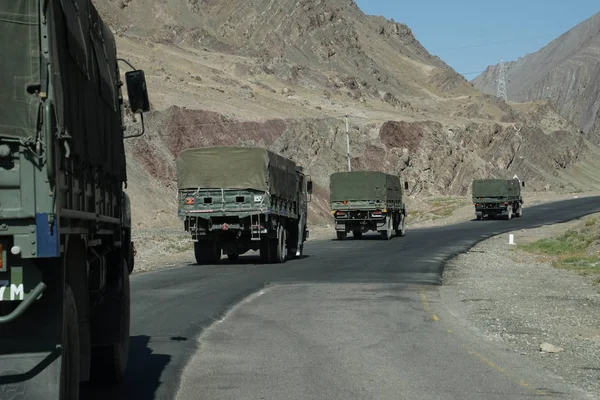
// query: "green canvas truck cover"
[[19, 40], [84, 77], [496, 188], [364, 185], [237, 168]]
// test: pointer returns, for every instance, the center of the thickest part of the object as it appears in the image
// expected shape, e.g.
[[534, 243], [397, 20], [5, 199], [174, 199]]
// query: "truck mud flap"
[[30, 376]]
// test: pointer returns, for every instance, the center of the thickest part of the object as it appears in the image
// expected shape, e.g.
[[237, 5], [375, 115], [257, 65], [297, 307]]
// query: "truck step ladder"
[[255, 227]]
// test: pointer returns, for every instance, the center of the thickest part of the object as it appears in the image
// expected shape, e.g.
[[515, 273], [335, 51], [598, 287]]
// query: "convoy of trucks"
[[497, 198], [363, 201], [65, 220], [236, 199]]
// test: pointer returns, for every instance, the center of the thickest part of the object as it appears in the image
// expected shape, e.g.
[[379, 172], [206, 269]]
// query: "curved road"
[[372, 329]]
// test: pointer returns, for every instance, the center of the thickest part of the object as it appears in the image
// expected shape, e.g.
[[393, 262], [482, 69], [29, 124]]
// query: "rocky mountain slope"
[[566, 72], [283, 74]]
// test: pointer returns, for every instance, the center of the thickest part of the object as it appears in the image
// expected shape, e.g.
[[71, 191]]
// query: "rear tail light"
[[1, 256], [340, 213]]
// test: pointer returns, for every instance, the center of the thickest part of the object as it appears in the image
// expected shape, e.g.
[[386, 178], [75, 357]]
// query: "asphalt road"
[[429, 355]]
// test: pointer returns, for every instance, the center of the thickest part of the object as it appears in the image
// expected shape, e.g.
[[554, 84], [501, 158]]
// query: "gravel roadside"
[[515, 299]]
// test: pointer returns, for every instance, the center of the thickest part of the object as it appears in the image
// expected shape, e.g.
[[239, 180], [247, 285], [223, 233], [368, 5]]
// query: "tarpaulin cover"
[[496, 188], [85, 75], [237, 168], [19, 67], [364, 185]]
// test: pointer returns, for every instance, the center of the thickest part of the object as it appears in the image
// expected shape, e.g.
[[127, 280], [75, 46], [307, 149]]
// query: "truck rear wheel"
[[265, 249], [109, 361], [387, 234], [69, 371], [278, 246], [341, 235], [401, 229], [357, 234], [207, 252]]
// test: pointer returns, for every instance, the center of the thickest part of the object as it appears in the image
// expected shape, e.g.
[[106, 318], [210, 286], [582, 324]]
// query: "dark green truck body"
[[363, 201], [65, 220], [236, 199], [497, 197]]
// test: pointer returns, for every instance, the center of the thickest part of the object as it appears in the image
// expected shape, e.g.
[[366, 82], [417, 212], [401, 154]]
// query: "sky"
[[469, 35]]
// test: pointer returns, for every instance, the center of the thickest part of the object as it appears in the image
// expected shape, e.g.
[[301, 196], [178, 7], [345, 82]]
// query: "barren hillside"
[[566, 72], [283, 74]]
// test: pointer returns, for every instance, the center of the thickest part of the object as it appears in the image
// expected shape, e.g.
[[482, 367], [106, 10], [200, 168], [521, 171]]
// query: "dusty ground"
[[169, 246], [513, 298]]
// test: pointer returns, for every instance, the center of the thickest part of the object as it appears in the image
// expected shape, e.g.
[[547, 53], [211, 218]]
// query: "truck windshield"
[[19, 68]]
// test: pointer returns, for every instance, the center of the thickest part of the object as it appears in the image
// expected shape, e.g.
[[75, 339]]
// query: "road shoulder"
[[519, 301]]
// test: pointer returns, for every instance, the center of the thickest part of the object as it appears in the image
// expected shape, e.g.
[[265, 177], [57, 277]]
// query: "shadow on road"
[[142, 377], [247, 260]]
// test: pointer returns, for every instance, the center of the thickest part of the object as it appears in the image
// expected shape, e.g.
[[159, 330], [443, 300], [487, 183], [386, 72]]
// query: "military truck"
[[497, 198], [236, 199], [65, 220], [363, 201]]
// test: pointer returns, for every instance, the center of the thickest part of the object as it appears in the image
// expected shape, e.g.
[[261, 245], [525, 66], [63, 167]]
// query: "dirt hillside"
[[283, 74]]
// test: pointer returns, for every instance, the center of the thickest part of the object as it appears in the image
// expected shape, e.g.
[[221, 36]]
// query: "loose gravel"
[[525, 304]]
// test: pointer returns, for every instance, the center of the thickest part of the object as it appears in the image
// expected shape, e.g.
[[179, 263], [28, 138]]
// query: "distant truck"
[[497, 197], [65, 221], [363, 201], [236, 199]]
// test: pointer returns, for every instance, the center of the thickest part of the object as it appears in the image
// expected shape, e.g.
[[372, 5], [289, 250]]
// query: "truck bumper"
[[364, 225], [30, 376], [491, 211]]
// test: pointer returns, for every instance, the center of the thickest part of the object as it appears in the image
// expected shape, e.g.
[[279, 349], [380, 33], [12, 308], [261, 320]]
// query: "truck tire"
[[69, 371], [357, 234], [401, 230], [233, 257], [479, 217], [341, 235], [207, 252], [282, 253], [109, 362], [265, 249], [277, 247], [387, 234], [520, 211]]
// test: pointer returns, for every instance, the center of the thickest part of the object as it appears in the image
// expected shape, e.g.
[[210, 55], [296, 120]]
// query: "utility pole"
[[348, 143], [501, 93]]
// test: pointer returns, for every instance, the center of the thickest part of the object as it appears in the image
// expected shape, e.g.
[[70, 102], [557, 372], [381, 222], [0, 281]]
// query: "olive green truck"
[[497, 198], [65, 220], [363, 201], [236, 199]]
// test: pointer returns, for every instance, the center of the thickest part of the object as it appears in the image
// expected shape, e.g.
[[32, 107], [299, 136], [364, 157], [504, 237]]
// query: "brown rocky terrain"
[[283, 74], [565, 72]]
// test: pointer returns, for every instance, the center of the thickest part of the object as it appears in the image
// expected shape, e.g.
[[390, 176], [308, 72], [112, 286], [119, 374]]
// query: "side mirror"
[[523, 183], [405, 185], [137, 91], [309, 187]]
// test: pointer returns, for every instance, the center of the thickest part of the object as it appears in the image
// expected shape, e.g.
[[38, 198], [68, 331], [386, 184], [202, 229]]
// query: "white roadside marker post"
[[511, 239]]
